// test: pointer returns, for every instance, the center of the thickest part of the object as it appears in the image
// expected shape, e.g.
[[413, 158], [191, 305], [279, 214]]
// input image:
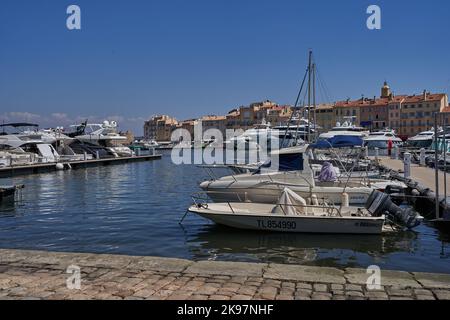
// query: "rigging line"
[[320, 79], [324, 85], [295, 106]]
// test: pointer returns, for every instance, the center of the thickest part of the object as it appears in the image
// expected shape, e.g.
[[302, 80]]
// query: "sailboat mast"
[[309, 93], [314, 101]]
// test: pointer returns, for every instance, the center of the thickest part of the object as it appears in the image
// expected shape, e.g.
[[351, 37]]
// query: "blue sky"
[[136, 58]]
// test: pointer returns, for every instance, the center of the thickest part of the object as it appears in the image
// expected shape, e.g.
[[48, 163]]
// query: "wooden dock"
[[50, 167]]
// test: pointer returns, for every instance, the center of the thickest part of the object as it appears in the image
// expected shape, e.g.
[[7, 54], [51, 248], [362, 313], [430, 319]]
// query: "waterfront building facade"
[[325, 117], [406, 114], [160, 128]]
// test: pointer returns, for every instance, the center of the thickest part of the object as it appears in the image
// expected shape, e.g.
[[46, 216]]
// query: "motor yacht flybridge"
[[104, 135], [345, 129]]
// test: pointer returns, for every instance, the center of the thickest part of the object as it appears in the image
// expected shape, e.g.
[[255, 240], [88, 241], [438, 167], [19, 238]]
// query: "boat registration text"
[[273, 224]]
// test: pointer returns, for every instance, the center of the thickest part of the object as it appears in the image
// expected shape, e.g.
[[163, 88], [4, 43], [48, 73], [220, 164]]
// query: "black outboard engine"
[[380, 203], [396, 193]]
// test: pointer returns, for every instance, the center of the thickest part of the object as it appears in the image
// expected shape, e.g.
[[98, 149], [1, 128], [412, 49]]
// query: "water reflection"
[[135, 208], [213, 240]]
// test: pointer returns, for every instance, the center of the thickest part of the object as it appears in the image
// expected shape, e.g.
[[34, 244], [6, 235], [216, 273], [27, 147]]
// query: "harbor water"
[[135, 208]]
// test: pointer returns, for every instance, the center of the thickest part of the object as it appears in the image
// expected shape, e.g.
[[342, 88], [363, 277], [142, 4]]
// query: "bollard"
[[138, 152], [396, 152], [377, 153], [85, 156], [407, 164], [97, 155], [422, 157], [366, 152]]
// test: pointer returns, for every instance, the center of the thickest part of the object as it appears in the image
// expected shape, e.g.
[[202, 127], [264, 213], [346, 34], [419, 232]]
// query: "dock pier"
[[421, 182], [12, 171]]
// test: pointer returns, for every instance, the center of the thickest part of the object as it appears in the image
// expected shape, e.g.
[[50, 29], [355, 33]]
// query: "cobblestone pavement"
[[43, 275]]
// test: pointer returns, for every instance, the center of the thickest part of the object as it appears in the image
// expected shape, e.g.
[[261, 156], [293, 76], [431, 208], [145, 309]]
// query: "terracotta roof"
[[420, 98], [386, 101]]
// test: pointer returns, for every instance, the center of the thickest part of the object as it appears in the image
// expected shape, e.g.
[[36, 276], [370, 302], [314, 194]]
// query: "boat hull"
[[295, 224]]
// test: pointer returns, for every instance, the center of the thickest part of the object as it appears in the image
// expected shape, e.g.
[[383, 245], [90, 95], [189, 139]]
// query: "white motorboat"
[[422, 140], [291, 213], [292, 170], [28, 131], [24, 150], [263, 136], [380, 139], [104, 135]]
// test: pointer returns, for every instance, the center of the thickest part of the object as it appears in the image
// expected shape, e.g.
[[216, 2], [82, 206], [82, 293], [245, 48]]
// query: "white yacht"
[[263, 135], [380, 139], [345, 129], [422, 140], [298, 127], [104, 135], [21, 132], [295, 172], [291, 213]]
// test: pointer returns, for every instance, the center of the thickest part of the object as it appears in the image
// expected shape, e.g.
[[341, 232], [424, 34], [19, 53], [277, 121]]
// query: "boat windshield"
[[355, 129], [381, 144], [419, 143]]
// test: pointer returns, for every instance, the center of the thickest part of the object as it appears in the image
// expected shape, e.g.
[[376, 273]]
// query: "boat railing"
[[266, 174], [201, 199]]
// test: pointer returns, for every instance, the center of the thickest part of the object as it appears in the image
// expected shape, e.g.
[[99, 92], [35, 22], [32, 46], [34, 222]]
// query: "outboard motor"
[[396, 193], [380, 203]]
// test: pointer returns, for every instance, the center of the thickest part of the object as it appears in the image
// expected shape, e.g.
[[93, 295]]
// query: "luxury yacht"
[[264, 136], [345, 129], [380, 139], [422, 140], [103, 135], [18, 133]]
